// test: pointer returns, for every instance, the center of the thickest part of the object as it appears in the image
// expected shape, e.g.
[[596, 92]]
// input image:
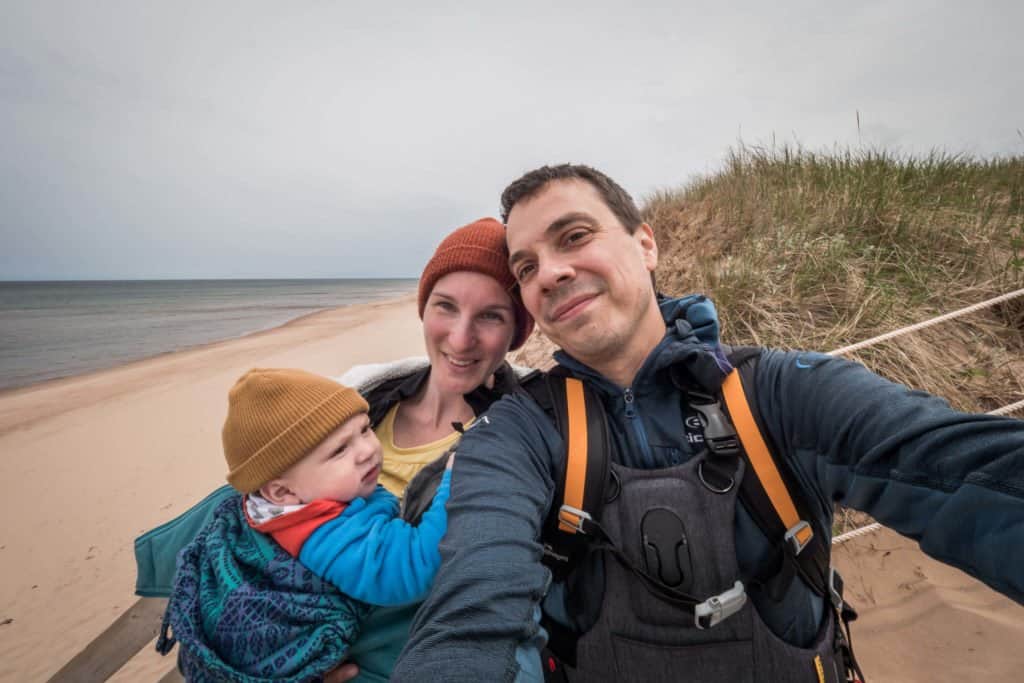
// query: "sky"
[[272, 139]]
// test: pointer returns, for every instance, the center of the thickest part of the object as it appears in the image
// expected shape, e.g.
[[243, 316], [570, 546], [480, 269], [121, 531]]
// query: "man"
[[583, 258]]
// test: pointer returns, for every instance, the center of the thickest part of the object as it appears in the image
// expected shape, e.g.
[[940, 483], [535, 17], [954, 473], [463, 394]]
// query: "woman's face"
[[468, 323]]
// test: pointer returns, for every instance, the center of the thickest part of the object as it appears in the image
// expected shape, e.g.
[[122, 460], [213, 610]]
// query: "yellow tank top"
[[402, 464]]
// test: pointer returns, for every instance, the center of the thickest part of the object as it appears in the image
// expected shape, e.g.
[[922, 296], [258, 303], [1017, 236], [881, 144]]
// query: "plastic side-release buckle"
[[719, 434], [719, 607], [798, 536]]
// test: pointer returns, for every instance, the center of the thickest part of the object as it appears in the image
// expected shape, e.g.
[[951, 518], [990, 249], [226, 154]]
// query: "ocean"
[[57, 329]]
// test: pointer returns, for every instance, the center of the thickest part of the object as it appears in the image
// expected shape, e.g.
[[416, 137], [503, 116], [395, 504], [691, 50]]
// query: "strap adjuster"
[[719, 607], [572, 519], [835, 588], [798, 536]]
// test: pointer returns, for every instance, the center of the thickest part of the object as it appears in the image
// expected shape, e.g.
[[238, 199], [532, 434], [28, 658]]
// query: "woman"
[[471, 319]]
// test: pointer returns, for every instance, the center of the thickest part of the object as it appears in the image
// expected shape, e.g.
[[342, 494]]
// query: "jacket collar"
[[690, 351], [480, 399]]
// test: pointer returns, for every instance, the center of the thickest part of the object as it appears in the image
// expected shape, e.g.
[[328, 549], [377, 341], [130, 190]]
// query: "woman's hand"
[[346, 671]]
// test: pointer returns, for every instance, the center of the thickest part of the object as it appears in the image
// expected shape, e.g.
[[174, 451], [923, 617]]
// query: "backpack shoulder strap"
[[580, 481], [769, 493]]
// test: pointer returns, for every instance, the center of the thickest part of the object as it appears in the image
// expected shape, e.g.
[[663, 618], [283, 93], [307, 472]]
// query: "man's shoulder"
[[776, 359], [520, 406], [514, 417]]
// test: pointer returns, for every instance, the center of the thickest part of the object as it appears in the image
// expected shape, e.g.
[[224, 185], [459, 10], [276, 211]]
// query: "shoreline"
[[94, 460], [5, 391], [42, 389]]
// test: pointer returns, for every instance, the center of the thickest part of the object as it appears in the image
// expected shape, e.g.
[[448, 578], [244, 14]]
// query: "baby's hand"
[[451, 461]]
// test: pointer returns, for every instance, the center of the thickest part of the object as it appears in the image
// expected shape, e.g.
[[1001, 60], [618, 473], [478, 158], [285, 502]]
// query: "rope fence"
[[927, 323], [1005, 410]]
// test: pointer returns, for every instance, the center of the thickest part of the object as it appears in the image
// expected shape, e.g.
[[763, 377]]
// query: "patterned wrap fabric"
[[239, 597]]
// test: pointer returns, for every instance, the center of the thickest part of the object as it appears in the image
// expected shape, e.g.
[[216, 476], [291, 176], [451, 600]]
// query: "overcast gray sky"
[[344, 139]]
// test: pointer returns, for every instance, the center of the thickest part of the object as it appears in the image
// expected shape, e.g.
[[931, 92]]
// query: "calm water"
[[56, 329]]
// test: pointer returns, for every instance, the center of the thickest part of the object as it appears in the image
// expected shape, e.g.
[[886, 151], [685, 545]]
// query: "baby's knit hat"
[[478, 247], [276, 417]]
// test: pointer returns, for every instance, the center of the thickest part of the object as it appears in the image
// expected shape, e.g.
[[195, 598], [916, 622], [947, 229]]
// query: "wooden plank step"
[[109, 651]]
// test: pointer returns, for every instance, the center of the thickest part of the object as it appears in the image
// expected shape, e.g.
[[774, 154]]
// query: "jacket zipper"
[[638, 427]]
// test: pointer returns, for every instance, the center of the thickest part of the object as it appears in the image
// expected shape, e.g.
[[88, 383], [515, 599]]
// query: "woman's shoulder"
[[369, 376]]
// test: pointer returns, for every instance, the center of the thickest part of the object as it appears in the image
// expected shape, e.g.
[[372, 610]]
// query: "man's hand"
[[346, 671]]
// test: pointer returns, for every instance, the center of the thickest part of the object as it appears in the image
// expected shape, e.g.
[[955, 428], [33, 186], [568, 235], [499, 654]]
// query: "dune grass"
[[818, 250]]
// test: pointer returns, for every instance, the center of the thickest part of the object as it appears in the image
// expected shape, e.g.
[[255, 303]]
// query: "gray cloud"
[[325, 139]]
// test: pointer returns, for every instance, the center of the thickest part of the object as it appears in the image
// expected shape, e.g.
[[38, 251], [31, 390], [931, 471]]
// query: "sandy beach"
[[91, 462]]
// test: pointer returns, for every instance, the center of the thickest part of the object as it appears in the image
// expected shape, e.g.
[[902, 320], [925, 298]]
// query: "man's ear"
[[649, 247], [277, 492]]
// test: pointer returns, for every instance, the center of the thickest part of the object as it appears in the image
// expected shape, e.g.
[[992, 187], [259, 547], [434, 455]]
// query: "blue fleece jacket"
[[952, 481], [373, 555]]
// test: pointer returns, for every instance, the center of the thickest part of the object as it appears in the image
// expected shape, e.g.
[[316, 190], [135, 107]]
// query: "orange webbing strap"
[[576, 451], [760, 458]]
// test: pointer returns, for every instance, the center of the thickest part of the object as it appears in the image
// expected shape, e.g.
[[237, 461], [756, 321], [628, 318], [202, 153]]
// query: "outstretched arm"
[[373, 555], [952, 481], [481, 608]]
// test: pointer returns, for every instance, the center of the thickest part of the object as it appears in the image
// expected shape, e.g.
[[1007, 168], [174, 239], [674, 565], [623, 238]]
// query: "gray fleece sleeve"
[[481, 607], [952, 481]]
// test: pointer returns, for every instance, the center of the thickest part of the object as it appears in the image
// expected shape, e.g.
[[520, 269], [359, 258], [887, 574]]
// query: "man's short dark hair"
[[616, 198]]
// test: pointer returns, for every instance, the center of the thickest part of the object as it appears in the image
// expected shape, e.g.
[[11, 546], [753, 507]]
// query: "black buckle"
[[549, 551], [719, 434]]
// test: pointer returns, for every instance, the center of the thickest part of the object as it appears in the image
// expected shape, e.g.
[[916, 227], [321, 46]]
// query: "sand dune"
[[90, 462], [921, 620]]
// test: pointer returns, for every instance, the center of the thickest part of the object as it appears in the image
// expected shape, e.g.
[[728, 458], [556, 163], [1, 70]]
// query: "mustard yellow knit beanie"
[[276, 417]]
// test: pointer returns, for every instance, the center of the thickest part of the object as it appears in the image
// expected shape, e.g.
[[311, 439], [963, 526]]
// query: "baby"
[[300, 450], [300, 447]]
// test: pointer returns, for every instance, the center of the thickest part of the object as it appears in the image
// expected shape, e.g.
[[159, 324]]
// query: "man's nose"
[[554, 272]]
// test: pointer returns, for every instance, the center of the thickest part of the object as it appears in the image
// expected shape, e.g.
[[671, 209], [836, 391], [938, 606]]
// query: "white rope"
[[1006, 410], [927, 323], [866, 529]]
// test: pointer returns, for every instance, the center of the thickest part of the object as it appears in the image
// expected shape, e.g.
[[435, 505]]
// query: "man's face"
[[582, 276]]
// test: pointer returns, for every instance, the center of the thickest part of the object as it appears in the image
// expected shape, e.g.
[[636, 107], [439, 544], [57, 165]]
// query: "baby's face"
[[344, 466]]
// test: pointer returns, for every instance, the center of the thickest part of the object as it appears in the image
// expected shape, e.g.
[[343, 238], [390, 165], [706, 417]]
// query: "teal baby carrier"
[[318, 608]]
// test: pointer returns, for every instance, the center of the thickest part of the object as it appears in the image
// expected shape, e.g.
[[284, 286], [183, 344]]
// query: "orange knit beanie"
[[276, 417], [478, 247]]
